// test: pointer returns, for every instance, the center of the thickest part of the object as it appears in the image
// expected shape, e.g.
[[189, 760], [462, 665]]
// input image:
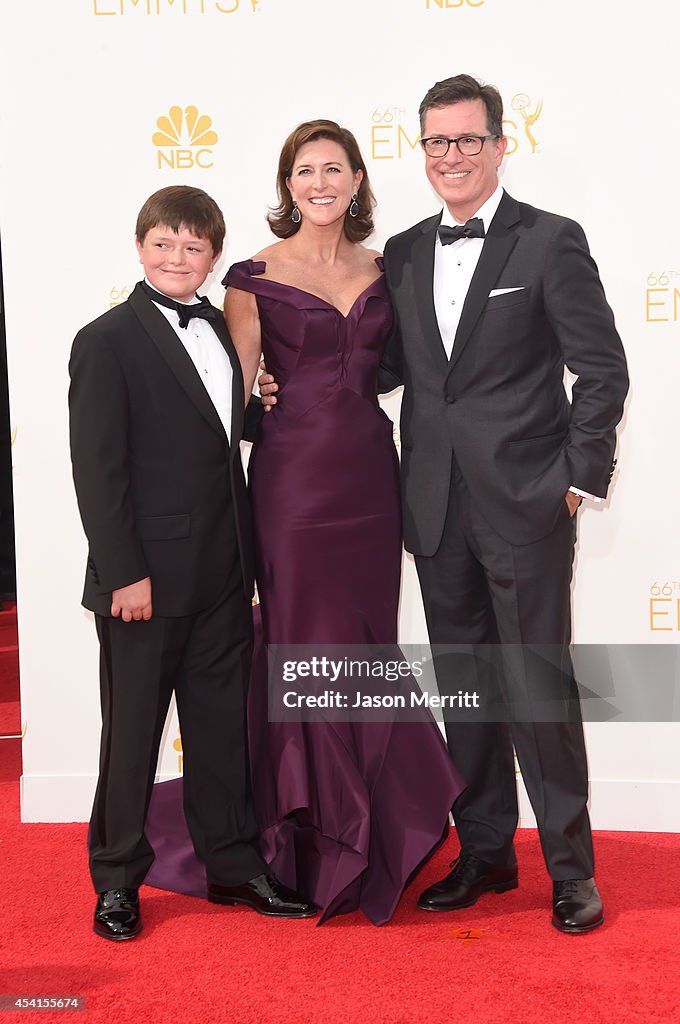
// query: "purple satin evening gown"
[[348, 810]]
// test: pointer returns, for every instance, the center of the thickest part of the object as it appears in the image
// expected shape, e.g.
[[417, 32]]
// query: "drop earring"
[[295, 216], [354, 206]]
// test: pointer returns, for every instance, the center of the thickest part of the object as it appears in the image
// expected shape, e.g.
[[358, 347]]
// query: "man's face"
[[463, 182], [178, 263]]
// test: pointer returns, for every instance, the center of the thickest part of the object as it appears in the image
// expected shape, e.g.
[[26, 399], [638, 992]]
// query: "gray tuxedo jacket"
[[499, 404]]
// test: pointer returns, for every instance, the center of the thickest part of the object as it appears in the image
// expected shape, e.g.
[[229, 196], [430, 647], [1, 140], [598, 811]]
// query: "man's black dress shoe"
[[265, 894], [577, 906], [463, 886], [116, 915]]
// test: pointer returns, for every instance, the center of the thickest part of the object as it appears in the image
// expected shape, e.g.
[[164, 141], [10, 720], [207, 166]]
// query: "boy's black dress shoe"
[[577, 906], [116, 915], [463, 886], [265, 894]]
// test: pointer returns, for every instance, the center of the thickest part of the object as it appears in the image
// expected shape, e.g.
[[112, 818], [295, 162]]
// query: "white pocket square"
[[504, 291]]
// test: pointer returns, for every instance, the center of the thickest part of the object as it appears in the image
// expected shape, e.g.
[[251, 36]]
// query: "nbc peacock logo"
[[184, 139]]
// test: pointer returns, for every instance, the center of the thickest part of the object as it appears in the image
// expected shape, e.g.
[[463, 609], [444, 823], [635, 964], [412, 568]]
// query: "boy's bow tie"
[[473, 228], [185, 312]]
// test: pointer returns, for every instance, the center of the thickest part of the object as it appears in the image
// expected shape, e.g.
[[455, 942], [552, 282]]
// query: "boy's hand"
[[133, 602], [267, 386]]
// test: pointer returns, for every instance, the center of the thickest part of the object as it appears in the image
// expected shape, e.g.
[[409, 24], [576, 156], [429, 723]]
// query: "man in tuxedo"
[[493, 298], [157, 410]]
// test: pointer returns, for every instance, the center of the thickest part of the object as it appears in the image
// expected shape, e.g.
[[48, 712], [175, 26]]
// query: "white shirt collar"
[[487, 210]]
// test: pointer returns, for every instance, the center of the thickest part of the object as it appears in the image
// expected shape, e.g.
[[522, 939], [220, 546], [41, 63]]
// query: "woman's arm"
[[243, 322]]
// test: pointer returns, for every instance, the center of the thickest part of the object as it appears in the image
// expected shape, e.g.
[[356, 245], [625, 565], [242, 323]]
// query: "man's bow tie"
[[202, 309], [472, 229]]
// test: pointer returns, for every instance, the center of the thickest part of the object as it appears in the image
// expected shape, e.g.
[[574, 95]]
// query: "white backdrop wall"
[[105, 101]]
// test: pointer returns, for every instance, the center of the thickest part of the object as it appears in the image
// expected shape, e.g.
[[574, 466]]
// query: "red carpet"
[[498, 962]]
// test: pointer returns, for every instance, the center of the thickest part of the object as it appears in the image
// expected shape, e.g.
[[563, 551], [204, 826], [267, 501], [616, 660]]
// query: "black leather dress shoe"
[[463, 886], [577, 906], [116, 915], [265, 894]]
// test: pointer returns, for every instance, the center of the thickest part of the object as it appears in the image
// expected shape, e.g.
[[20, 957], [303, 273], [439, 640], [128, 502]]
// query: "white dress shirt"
[[206, 352], [454, 266]]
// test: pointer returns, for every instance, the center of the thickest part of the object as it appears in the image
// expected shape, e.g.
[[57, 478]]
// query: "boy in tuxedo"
[[157, 407]]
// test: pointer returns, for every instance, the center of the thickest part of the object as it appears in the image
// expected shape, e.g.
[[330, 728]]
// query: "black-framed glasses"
[[467, 145]]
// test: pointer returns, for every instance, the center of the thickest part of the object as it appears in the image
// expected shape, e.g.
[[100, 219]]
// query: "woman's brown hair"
[[356, 228]]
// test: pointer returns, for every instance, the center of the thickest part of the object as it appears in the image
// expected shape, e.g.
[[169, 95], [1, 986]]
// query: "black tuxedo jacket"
[[160, 489], [499, 402]]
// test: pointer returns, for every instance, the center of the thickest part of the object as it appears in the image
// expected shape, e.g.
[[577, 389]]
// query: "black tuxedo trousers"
[[204, 659], [496, 609]]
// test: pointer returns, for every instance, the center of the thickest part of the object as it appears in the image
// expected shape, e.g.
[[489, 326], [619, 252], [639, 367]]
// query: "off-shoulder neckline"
[[257, 267]]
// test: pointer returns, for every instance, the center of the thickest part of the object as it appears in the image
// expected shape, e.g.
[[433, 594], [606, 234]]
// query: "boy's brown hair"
[[179, 206]]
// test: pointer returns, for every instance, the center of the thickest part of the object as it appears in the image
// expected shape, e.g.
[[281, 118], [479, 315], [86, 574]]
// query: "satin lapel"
[[171, 349], [498, 245], [237, 388], [422, 257]]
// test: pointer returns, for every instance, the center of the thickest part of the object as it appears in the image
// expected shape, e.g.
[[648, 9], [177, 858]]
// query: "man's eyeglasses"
[[467, 145]]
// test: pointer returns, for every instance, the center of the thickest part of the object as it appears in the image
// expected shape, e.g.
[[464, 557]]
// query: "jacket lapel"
[[422, 255], [498, 244], [175, 355], [237, 386]]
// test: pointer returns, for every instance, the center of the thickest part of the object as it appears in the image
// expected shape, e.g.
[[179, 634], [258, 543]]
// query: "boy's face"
[[176, 264]]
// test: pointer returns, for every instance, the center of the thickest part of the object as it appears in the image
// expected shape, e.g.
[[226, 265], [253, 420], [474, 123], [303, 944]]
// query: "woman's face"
[[322, 181]]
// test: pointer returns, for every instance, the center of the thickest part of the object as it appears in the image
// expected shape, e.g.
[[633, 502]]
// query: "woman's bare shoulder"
[[271, 253], [371, 254]]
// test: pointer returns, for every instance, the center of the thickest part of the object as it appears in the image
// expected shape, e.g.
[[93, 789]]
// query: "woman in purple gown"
[[348, 810]]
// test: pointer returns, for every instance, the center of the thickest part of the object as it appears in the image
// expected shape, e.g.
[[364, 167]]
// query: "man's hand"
[[133, 602], [573, 501], [268, 388]]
